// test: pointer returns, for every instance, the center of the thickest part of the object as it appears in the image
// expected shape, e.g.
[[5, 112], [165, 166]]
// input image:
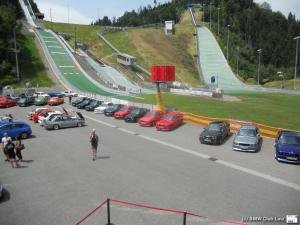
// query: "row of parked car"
[[247, 139], [144, 117]]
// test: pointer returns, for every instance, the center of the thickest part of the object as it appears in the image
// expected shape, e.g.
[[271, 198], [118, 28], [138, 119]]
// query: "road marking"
[[48, 37], [66, 66], [61, 53], [51, 41], [52, 46], [204, 156]]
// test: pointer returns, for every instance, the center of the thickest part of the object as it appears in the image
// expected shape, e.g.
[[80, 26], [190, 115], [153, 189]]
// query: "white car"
[[40, 93], [50, 115], [29, 114], [102, 107], [68, 93]]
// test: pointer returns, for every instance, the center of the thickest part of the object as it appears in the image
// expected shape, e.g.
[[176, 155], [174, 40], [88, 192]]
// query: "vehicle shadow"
[[27, 161], [5, 196], [21, 167], [103, 157]]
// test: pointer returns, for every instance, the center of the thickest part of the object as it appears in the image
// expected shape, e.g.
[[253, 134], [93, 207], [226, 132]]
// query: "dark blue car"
[[15, 129], [56, 94], [287, 147]]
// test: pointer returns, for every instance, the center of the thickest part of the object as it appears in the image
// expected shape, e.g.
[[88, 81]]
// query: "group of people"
[[12, 150]]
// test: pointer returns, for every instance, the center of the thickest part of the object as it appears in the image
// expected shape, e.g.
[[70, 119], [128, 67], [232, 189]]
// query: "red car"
[[151, 118], [7, 102], [35, 116], [55, 101], [124, 111], [170, 121]]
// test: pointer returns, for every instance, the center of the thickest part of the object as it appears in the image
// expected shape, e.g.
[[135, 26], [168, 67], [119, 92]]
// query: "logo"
[[292, 219]]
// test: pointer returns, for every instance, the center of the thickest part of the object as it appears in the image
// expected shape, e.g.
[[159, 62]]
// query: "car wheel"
[[55, 127], [24, 135], [79, 124]]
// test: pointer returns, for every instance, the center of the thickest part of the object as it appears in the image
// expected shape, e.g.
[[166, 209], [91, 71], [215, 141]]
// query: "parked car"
[[56, 101], [35, 116], [40, 93], [150, 118], [215, 133], [78, 101], [49, 116], [135, 114], [170, 121], [124, 111], [247, 139], [287, 147], [7, 102], [35, 110], [41, 100], [68, 93], [93, 104], [83, 104], [110, 111], [26, 101], [65, 121], [15, 129], [102, 107], [56, 94]]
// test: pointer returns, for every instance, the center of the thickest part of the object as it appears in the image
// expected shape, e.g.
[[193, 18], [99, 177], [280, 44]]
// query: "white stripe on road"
[[65, 66], [53, 46], [61, 53], [224, 163], [51, 41]]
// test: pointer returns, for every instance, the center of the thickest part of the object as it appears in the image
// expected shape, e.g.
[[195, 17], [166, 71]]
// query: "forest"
[[252, 27]]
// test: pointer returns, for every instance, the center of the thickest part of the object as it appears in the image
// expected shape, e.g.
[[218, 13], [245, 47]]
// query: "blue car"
[[287, 147], [15, 129], [56, 94]]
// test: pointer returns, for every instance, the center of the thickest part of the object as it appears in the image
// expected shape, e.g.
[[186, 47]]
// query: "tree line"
[[252, 26]]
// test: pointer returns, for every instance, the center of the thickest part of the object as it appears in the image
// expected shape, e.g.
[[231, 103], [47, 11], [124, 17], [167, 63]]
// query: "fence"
[[184, 214]]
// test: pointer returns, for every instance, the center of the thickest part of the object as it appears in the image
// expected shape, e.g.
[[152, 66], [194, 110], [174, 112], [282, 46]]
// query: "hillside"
[[149, 45]]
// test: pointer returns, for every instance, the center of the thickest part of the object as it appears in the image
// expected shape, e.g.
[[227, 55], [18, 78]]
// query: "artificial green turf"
[[278, 110], [32, 68]]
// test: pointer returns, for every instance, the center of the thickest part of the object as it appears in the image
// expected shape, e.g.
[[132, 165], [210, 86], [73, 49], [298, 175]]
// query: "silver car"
[[247, 139], [65, 121]]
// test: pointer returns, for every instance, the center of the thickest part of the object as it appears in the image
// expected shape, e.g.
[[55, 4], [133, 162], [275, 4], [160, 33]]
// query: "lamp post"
[[259, 53], [51, 19], [75, 39], [296, 60], [228, 26], [16, 51], [237, 60], [219, 21], [210, 15]]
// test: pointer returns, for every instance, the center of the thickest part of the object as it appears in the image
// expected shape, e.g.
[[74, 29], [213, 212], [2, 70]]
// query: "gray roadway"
[[60, 183]]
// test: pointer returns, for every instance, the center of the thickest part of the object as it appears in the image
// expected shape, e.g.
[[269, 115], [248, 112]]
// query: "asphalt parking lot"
[[59, 183]]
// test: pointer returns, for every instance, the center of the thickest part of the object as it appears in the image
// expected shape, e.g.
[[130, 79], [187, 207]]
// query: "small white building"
[[169, 27], [126, 60]]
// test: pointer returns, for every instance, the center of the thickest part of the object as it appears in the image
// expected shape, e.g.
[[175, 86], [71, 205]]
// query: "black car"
[[110, 111], [215, 133], [26, 101], [83, 104], [78, 101], [93, 104], [135, 114]]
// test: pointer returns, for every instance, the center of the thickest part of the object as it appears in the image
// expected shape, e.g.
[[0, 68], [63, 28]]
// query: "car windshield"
[[22, 100], [114, 107], [125, 109], [289, 140], [40, 98], [86, 101], [166, 117], [214, 127], [150, 114], [135, 111], [247, 132]]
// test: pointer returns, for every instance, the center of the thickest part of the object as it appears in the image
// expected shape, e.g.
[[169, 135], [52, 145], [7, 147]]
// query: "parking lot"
[[59, 183]]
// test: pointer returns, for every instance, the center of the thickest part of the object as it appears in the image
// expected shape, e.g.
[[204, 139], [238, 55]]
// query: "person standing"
[[94, 143], [10, 149], [5, 139], [19, 148], [70, 99]]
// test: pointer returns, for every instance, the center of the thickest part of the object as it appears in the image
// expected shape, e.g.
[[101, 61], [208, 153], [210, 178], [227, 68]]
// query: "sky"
[[84, 12]]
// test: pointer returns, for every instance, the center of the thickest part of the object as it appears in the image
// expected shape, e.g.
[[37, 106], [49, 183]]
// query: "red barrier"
[[185, 213]]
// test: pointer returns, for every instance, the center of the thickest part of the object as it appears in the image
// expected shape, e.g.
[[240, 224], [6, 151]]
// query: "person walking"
[[19, 148], [94, 143], [70, 99], [5, 139], [10, 149]]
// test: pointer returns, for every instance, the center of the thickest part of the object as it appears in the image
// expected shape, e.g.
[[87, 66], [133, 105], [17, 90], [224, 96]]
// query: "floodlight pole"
[[51, 19], [17, 60], [210, 15], [219, 21], [258, 69], [237, 60], [296, 60], [75, 39], [228, 26]]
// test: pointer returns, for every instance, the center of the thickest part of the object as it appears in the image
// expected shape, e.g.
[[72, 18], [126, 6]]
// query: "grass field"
[[276, 110], [32, 68]]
